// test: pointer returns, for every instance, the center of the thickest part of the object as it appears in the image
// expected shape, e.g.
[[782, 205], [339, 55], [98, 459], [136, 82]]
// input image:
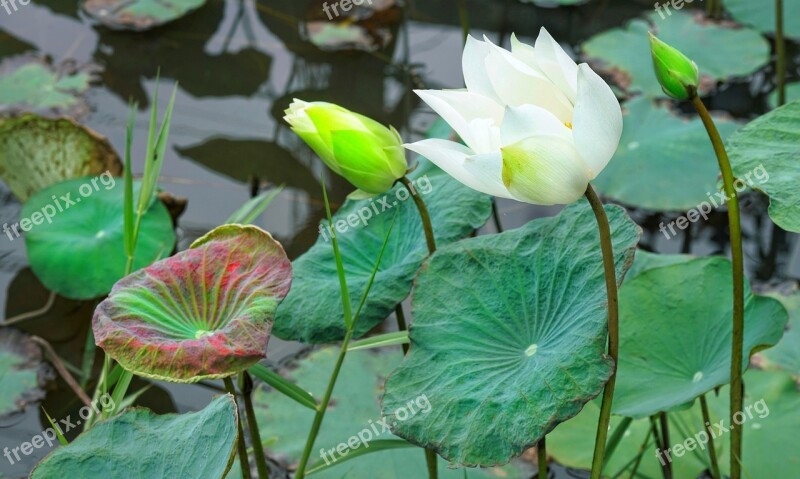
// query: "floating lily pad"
[[663, 162], [786, 354], [762, 15], [22, 372], [138, 443], [139, 14], [646, 261], [204, 313], [509, 336], [770, 146], [79, 251], [670, 329], [792, 94], [32, 84], [625, 52], [312, 312], [354, 408], [37, 152]]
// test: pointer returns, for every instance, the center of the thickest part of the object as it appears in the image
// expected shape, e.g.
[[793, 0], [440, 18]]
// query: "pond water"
[[238, 64]]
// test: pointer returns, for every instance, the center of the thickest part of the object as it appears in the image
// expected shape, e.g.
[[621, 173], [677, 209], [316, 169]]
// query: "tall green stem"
[[780, 52], [401, 323], [662, 418], [737, 340], [613, 328], [712, 451], [246, 386], [430, 240], [243, 460], [541, 458]]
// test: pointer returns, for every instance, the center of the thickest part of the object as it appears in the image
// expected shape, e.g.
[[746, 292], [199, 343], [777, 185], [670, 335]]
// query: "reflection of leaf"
[[37, 152], [663, 162], [22, 373], [141, 444], [670, 330], [509, 336], [736, 52], [786, 354], [139, 14]]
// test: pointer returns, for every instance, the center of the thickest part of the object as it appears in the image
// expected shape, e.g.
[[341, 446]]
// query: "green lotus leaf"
[[204, 313], [75, 235], [663, 162], [353, 408], [762, 15], [646, 261], [786, 354], [32, 84], [312, 312], [769, 146], [139, 14], [138, 443], [22, 372], [625, 52], [509, 336], [37, 152], [675, 325]]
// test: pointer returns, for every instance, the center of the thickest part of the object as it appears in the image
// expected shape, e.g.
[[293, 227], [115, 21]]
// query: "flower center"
[[568, 124]]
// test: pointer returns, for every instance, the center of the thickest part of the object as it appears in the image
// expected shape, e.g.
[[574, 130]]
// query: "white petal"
[[556, 64], [522, 51], [597, 124], [485, 136], [527, 120], [518, 84], [459, 108], [481, 173], [473, 62], [544, 170]]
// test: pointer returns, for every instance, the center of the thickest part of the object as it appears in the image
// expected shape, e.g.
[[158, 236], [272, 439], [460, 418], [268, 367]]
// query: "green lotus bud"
[[677, 74], [364, 152]]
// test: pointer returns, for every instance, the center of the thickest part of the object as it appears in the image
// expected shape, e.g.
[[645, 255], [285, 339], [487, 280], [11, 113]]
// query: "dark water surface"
[[239, 64]]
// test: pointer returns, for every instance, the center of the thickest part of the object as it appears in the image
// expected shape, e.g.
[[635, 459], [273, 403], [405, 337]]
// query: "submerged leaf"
[[22, 373], [204, 313], [139, 14], [509, 336]]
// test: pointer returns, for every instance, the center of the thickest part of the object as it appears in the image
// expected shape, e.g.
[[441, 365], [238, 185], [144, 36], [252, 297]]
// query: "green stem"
[[613, 329], [664, 453], [423, 213], [243, 460], [780, 52], [401, 323], [541, 458], [737, 340], [640, 455], [246, 386], [463, 16], [662, 417], [712, 452], [431, 462]]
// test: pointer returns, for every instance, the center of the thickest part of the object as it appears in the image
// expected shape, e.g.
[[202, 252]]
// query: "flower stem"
[[712, 452], [737, 340], [780, 52], [246, 386], [243, 460], [432, 463], [662, 418], [423, 213], [401, 323], [613, 329], [541, 458]]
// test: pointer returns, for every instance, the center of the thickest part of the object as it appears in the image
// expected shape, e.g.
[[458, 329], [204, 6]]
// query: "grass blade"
[[284, 386], [374, 446], [388, 339], [59, 434], [249, 211]]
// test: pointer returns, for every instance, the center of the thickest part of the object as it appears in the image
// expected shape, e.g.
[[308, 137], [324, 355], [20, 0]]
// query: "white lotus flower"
[[537, 127]]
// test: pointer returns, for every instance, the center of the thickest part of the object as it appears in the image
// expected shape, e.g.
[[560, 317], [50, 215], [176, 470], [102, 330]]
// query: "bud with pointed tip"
[[677, 74]]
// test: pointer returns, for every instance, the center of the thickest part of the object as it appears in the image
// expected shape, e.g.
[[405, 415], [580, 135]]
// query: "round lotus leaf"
[[204, 313], [32, 84], [671, 330], [22, 372], [663, 162], [75, 235], [768, 147], [509, 336], [353, 409], [37, 152], [139, 14], [625, 54], [792, 94], [786, 354], [312, 313], [646, 260], [138, 443], [762, 15]]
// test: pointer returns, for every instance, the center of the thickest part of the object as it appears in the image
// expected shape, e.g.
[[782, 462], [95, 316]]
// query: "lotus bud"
[[677, 74]]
